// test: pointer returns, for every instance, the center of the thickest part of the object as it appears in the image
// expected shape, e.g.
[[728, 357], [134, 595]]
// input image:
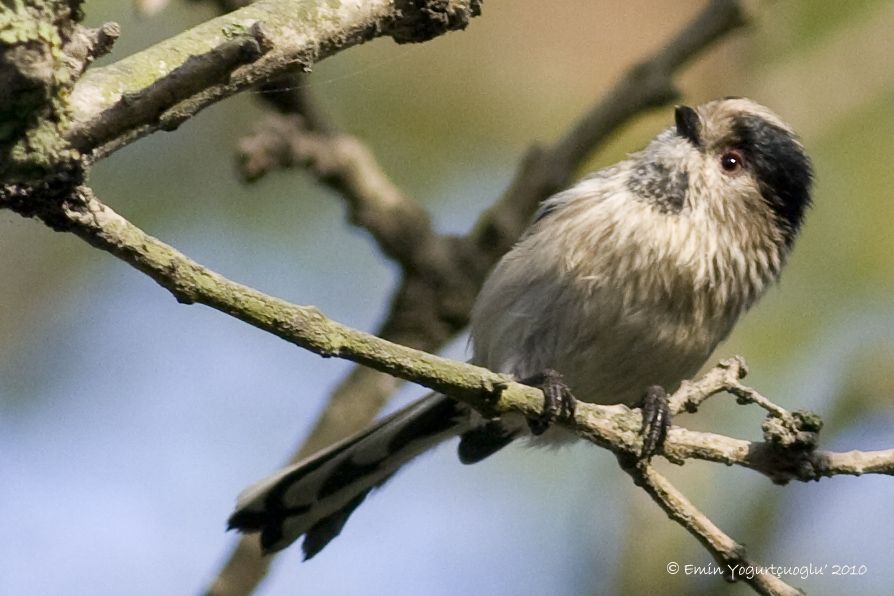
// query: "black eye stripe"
[[780, 166]]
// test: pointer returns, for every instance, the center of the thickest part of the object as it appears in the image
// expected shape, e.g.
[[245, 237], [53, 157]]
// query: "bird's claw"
[[557, 399], [656, 421]]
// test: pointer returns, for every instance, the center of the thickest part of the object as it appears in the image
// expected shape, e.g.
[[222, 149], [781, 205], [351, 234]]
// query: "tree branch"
[[729, 554], [151, 104], [433, 302], [191, 71], [399, 225], [616, 428], [296, 34]]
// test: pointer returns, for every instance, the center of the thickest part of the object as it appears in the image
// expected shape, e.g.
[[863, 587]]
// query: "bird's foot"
[[656, 421], [557, 399]]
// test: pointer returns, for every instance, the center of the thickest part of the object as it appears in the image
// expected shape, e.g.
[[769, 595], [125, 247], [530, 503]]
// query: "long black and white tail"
[[315, 497]]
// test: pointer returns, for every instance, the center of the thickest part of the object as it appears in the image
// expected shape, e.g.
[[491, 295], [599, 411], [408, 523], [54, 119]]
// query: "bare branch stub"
[[86, 45], [422, 20], [723, 376]]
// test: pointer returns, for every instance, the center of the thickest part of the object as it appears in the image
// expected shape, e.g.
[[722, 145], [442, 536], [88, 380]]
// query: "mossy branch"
[[294, 35], [787, 453], [781, 456]]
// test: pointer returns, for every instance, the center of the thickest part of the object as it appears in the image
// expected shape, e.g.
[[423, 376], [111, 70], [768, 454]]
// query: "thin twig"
[[729, 554], [400, 226], [691, 395]]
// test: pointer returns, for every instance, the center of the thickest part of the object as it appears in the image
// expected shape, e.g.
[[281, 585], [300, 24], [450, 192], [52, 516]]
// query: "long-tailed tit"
[[625, 281]]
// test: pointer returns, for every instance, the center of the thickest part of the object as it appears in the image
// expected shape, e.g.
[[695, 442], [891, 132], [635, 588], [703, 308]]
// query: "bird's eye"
[[732, 161]]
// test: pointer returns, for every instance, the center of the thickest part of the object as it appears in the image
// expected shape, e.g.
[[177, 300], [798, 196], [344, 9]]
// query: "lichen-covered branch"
[[296, 33], [153, 104], [613, 427], [43, 50], [305, 326]]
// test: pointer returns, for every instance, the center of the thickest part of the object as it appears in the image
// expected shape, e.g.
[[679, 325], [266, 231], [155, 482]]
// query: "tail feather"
[[316, 496], [322, 532], [485, 440]]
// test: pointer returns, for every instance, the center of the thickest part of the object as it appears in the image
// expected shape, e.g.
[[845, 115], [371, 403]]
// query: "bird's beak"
[[689, 125]]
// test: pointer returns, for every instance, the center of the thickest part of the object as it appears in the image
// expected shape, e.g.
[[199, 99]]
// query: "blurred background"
[[128, 423]]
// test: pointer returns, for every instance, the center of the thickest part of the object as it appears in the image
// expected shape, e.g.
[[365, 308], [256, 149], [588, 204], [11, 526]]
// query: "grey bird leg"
[[557, 398], [656, 420]]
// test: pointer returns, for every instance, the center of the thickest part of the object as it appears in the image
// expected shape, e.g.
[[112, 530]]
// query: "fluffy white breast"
[[615, 294]]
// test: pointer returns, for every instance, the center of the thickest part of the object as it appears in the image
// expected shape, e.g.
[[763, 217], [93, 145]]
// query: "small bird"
[[621, 287]]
